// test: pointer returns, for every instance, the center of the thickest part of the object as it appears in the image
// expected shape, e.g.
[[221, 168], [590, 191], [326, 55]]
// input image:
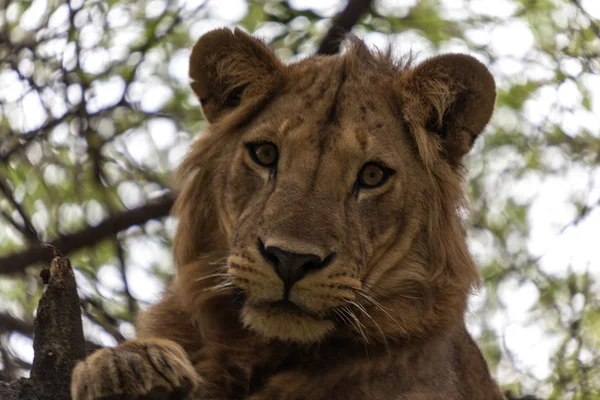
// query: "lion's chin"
[[274, 321]]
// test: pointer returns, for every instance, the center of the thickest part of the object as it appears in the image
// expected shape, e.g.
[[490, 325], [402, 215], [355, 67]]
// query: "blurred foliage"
[[95, 113]]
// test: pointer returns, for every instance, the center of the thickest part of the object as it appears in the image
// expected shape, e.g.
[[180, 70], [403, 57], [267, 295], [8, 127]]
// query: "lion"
[[320, 249]]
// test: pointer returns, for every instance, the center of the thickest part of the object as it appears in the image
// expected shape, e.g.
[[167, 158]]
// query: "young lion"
[[320, 248]]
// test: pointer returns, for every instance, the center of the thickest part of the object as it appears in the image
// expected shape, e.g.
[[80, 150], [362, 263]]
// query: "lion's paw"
[[140, 369]]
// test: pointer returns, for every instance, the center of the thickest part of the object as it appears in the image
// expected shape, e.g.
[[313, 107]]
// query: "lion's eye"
[[264, 154], [373, 175]]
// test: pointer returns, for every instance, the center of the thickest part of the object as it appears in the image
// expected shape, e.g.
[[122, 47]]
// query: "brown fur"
[[385, 320]]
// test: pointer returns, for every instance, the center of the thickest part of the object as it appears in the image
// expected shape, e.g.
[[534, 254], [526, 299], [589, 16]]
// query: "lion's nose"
[[291, 267]]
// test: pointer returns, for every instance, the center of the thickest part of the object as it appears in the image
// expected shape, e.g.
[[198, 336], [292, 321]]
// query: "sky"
[[556, 245]]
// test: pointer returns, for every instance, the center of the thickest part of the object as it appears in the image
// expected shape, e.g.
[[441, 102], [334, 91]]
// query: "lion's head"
[[331, 188]]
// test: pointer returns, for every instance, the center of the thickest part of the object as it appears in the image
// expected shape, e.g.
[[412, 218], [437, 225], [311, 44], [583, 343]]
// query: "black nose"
[[291, 267]]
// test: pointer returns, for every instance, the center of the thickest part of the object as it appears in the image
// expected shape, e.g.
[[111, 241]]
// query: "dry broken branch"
[[58, 339]]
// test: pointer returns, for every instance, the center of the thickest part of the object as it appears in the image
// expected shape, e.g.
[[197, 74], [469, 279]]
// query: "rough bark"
[[58, 341]]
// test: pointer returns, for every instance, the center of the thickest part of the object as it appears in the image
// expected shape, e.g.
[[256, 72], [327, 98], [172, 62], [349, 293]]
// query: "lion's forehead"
[[327, 90], [328, 107]]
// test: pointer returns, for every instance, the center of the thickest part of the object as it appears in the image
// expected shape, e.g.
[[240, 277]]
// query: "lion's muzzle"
[[291, 266]]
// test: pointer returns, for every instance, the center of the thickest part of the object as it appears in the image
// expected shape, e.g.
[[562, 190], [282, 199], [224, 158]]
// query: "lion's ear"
[[230, 68], [447, 102]]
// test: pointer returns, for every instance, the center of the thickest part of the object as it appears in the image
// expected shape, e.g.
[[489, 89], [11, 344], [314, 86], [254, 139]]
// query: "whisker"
[[377, 305], [364, 311], [367, 296], [220, 290], [358, 325], [225, 285], [223, 255], [357, 305], [210, 276], [341, 316], [398, 293], [342, 312], [219, 261], [372, 288]]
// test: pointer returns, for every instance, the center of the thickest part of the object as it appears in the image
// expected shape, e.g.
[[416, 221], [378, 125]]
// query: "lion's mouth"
[[287, 306], [286, 321]]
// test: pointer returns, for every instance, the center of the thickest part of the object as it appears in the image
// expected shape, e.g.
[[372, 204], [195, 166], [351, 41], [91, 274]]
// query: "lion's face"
[[324, 192], [313, 199]]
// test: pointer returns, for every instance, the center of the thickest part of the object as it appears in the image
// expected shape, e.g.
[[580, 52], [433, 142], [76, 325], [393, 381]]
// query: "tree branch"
[[342, 24], [510, 396], [8, 323], [131, 302], [17, 262], [593, 22], [28, 231]]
